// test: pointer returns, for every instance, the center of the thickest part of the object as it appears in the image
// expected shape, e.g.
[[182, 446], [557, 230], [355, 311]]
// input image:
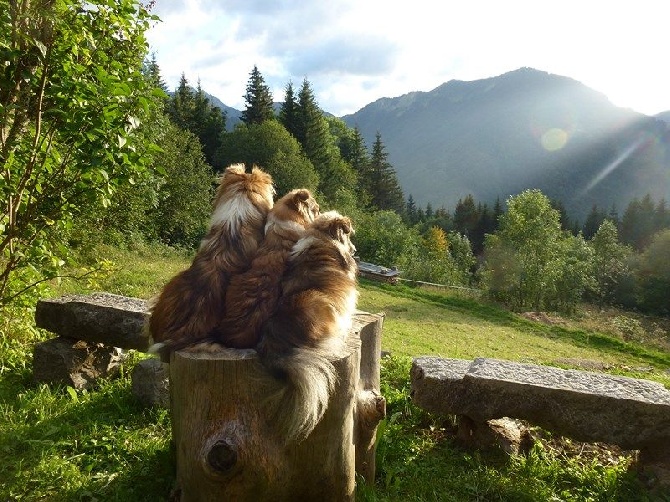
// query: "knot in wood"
[[222, 457]]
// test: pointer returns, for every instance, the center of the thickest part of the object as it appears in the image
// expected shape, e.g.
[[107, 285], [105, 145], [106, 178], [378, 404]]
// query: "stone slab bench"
[[586, 406], [114, 320], [93, 332]]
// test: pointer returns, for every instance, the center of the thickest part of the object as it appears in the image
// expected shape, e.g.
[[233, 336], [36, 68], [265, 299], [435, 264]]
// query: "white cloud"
[[355, 52]]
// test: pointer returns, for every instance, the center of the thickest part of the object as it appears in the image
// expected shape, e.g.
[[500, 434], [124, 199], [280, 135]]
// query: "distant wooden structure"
[[377, 272], [227, 448]]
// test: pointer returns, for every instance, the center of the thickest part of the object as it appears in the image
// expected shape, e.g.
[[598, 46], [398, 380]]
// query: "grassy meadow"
[[100, 445]]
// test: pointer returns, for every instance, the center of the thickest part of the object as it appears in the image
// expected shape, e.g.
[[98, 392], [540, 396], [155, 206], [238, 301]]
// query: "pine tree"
[[497, 212], [613, 215], [359, 159], [410, 211], [258, 100], [180, 108], [357, 154], [637, 223], [383, 183], [191, 110], [313, 133], [661, 216], [153, 73], [485, 225], [312, 129], [211, 136], [566, 224], [289, 113], [199, 111], [466, 216], [593, 221]]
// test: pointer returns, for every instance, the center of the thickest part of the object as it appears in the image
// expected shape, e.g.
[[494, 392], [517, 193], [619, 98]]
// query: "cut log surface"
[[227, 448]]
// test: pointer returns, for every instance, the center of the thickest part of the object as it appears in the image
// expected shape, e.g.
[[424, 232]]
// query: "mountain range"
[[527, 128]]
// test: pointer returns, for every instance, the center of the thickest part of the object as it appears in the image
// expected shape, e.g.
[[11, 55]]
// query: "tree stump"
[[227, 448], [370, 404]]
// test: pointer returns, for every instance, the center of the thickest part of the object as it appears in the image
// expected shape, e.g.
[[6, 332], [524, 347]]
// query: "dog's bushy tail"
[[307, 379]]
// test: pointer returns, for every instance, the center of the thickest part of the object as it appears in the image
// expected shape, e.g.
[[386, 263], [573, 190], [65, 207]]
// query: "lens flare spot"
[[554, 139]]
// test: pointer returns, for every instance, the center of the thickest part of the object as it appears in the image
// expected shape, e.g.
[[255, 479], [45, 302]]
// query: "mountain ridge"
[[527, 128]]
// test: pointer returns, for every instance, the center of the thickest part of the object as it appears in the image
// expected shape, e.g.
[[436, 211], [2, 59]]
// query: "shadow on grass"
[[101, 445], [502, 317]]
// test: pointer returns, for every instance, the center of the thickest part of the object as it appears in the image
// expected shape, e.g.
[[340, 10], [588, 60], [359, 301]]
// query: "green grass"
[[419, 322], [58, 444], [418, 460]]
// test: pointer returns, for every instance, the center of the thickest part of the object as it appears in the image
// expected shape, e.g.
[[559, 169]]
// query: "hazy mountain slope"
[[524, 129]]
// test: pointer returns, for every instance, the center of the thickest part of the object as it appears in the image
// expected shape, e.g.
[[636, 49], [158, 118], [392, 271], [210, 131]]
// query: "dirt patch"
[[543, 317]]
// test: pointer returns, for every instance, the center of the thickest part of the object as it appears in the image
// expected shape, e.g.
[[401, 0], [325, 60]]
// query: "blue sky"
[[354, 52]]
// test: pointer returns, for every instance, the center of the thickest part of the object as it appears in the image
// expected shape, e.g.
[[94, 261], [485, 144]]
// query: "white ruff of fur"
[[155, 348], [302, 245], [345, 319], [231, 214], [283, 225]]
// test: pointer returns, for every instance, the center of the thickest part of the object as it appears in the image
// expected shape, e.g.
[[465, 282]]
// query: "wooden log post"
[[227, 448], [370, 404]]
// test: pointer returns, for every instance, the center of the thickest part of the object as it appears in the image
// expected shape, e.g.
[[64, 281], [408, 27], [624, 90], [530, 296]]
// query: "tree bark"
[[370, 404], [227, 448]]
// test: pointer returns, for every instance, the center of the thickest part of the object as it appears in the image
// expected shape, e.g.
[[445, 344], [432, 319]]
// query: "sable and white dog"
[[192, 303], [312, 319], [253, 295]]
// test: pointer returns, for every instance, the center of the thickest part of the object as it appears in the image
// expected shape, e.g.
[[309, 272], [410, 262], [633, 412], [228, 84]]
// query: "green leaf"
[[73, 394]]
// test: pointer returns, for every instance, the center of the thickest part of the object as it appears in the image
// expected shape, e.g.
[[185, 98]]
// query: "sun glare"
[[554, 139], [607, 170]]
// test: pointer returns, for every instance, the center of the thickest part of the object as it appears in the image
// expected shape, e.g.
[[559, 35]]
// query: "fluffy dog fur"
[[312, 319], [252, 296], [192, 303]]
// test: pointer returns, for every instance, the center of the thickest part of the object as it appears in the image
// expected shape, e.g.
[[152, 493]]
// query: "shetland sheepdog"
[[192, 303], [253, 295], [310, 324]]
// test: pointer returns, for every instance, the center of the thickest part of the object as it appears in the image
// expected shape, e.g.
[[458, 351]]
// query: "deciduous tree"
[[525, 259], [72, 95], [610, 263], [270, 146]]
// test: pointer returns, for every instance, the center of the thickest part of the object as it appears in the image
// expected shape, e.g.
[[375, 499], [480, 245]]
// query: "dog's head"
[[297, 206], [237, 180], [338, 228]]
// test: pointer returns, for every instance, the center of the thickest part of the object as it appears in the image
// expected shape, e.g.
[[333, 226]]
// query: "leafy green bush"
[[72, 95], [653, 274], [530, 263]]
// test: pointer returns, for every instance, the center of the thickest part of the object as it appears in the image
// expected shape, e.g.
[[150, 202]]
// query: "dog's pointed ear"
[[304, 203], [340, 228], [297, 197], [234, 169], [301, 195]]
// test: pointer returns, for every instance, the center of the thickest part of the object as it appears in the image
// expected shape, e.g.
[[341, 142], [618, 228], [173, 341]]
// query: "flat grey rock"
[[586, 406], [151, 383], [99, 317]]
